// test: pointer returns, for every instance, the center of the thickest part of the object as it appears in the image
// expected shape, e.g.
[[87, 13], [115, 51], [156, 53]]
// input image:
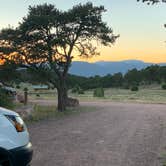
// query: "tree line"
[[153, 74], [150, 75]]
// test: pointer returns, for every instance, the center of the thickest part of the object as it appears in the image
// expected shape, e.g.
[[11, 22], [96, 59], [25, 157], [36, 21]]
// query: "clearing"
[[114, 134]]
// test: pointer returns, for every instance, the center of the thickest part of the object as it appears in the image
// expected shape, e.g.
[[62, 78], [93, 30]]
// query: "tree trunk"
[[62, 95], [65, 93], [63, 99]]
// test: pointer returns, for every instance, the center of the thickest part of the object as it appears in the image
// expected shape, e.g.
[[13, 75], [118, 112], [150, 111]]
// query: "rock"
[[71, 102]]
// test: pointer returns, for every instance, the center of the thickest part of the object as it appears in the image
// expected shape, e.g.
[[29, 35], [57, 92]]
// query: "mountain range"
[[107, 67]]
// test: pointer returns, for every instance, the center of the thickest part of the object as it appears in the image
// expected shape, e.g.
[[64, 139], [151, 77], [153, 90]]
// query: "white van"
[[15, 147]]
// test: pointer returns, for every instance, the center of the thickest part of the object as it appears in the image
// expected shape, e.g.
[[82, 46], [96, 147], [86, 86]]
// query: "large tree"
[[48, 39]]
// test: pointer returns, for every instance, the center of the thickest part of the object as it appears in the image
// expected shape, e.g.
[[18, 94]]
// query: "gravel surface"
[[116, 134]]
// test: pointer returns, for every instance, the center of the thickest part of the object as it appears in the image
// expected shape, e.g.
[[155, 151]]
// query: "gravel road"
[[116, 134]]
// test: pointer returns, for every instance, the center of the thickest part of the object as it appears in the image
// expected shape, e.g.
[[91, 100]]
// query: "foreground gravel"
[[116, 134]]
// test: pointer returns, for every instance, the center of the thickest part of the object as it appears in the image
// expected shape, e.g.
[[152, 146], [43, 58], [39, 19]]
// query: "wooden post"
[[25, 96]]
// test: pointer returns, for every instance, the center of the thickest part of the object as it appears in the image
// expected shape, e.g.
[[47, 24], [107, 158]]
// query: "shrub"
[[17, 86], [80, 91], [77, 89], [25, 89], [126, 86], [5, 100], [164, 86], [99, 92], [74, 90], [37, 95], [134, 88]]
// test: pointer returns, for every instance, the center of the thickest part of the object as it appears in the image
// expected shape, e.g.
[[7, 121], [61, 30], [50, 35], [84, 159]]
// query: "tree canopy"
[[49, 39], [152, 1]]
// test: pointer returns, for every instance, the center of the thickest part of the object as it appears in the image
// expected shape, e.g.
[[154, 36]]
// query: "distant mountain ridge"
[[107, 67]]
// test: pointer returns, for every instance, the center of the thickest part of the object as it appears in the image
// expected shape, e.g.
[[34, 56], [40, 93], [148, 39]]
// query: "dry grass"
[[43, 112], [144, 95], [149, 94]]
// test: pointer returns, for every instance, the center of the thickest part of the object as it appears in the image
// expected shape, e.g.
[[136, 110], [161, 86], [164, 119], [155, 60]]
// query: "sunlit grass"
[[123, 95], [146, 94]]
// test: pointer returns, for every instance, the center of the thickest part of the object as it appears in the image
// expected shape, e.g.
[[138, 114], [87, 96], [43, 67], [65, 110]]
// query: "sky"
[[141, 26]]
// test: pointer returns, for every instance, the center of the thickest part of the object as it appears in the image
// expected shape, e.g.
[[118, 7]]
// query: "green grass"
[[146, 94], [123, 95], [163, 159], [43, 95], [49, 112]]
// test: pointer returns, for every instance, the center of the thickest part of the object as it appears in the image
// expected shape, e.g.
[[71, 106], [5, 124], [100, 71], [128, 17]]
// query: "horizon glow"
[[141, 27]]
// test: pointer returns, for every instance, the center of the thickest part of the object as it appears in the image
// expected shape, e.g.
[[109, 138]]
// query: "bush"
[[26, 89], [74, 90], [80, 91], [5, 100], [99, 92], [37, 95], [134, 88], [164, 86], [126, 86], [77, 89], [17, 86]]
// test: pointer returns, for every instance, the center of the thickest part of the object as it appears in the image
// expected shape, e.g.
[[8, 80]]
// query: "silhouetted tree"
[[49, 39], [133, 77], [152, 1], [117, 80]]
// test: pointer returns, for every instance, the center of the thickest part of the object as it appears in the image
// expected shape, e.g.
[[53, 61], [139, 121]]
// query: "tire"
[[5, 161]]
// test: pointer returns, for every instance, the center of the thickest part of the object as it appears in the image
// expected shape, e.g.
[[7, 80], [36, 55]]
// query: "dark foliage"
[[5, 100], [152, 74], [9, 73], [98, 92], [134, 88], [164, 86], [77, 89], [152, 1]]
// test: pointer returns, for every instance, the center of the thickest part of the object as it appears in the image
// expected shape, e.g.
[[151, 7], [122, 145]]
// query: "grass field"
[[153, 94], [143, 95], [42, 112]]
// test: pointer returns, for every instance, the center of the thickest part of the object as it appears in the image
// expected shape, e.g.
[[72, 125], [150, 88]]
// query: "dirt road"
[[116, 134]]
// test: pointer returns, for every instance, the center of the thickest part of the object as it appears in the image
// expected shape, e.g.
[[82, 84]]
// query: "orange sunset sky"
[[141, 27]]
